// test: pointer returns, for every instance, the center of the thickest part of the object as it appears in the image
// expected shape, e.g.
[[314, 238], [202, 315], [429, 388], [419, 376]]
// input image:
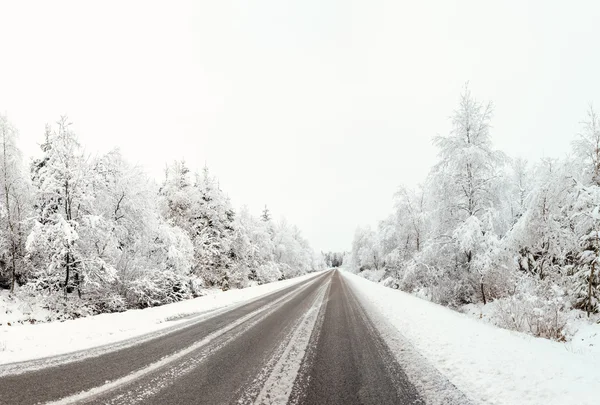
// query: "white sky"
[[319, 109]]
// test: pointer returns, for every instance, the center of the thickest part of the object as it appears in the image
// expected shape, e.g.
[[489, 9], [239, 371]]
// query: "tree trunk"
[[77, 283], [590, 280], [14, 267], [483, 293], [11, 231], [68, 271]]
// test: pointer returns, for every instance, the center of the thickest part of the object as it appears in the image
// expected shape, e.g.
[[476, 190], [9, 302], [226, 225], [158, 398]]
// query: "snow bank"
[[25, 342], [488, 364], [14, 310], [373, 275], [581, 333]]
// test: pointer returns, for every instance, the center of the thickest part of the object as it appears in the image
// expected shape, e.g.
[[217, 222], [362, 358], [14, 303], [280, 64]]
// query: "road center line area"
[[311, 343]]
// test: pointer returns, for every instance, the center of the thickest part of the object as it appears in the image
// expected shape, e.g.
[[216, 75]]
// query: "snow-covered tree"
[[411, 222], [525, 234], [520, 187], [266, 214], [365, 250], [14, 204], [214, 232], [463, 183], [101, 228], [587, 147], [333, 259], [543, 235], [62, 197], [254, 248], [586, 217], [134, 236], [586, 282], [180, 199], [292, 252]]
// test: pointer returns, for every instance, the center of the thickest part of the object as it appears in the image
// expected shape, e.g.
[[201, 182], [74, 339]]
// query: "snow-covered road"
[[488, 364], [92, 335], [329, 338], [308, 342]]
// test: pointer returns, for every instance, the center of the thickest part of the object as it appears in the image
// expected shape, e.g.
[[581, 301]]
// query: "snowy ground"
[[21, 342], [582, 334], [490, 365]]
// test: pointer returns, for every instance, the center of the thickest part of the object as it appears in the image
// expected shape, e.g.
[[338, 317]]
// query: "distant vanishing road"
[[311, 343]]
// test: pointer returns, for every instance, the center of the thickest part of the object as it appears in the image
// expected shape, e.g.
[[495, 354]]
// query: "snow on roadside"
[[582, 334], [488, 364], [27, 342]]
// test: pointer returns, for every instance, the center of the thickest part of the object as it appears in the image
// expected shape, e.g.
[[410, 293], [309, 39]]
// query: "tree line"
[[334, 259], [484, 227], [95, 234]]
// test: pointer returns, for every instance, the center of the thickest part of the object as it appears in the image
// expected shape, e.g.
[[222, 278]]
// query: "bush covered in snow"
[[536, 308], [268, 272], [373, 275]]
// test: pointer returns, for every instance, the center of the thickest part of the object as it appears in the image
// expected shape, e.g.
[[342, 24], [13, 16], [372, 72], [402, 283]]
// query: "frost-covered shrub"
[[108, 302], [158, 288], [142, 293], [237, 277], [455, 288], [268, 272], [536, 308], [373, 275], [391, 282], [196, 285], [287, 271], [417, 276], [585, 285], [54, 307], [62, 308], [498, 282], [410, 279]]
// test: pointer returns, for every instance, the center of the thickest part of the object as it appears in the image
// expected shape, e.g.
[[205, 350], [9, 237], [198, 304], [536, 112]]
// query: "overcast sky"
[[318, 108]]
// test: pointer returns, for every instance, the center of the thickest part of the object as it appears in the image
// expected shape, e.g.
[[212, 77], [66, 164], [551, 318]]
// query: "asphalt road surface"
[[311, 343]]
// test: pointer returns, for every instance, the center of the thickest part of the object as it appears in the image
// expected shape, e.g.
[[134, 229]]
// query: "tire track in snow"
[[432, 385], [294, 396], [21, 367], [203, 349], [274, 383], [54, 361], [347, 362]]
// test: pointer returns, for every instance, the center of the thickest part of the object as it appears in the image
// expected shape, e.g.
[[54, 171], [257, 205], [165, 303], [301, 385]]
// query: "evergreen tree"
[[266, 215], [214, 230], [61, 202], [586, 278]]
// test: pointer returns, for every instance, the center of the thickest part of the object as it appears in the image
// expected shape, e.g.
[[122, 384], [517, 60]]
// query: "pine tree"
[[587, 274], [59, 258], [587, 218], [179, 197], [266, 215], [214, 230]]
